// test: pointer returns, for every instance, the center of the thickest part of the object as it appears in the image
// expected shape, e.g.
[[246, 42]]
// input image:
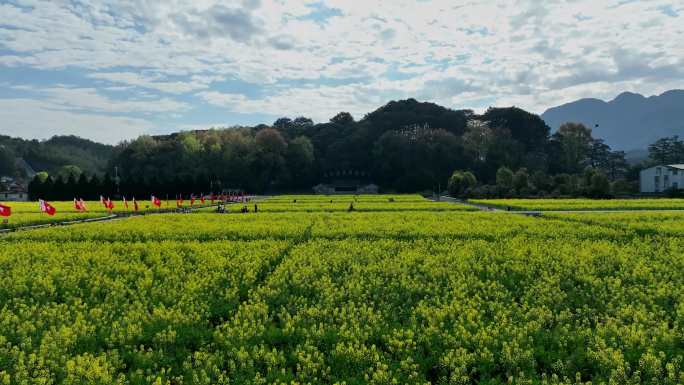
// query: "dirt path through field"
[[540, 212]]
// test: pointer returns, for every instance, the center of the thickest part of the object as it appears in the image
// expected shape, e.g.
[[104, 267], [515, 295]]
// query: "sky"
[[114, 70]]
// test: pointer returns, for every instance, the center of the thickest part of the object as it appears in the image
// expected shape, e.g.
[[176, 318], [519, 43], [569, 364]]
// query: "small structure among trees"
[[346, 182]]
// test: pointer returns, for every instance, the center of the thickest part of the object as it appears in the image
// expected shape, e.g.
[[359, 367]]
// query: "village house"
[[658, 179], [14, 195], [12, 191]]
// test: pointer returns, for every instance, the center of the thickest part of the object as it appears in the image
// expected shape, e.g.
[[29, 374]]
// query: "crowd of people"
[[221, 208]]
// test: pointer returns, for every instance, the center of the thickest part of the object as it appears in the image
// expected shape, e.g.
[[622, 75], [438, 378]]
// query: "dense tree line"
[[667, 151], [520, 183], [574, 163], [404, 146], [91, 187]]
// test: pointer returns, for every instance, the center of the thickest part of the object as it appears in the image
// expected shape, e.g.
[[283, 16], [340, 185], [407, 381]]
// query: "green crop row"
[[28, 213], [333, 297], [582, 204]]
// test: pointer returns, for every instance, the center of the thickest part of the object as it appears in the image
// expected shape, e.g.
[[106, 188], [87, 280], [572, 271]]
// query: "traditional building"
[[346, 182]]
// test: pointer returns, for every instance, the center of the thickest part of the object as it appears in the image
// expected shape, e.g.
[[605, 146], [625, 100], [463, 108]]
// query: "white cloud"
[[30, 119], [298, 101], [203, 126], [88, 99], [81, 111], [464, 54], [135, 79]]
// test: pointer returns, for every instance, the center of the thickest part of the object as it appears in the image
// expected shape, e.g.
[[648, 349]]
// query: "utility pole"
[[116, 178]]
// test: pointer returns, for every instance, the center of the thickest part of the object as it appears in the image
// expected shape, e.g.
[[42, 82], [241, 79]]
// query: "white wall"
[[14, 197], [660, 178]]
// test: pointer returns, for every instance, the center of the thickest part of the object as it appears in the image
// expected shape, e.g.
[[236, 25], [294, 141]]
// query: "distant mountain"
[[628, 122], [636, 156]]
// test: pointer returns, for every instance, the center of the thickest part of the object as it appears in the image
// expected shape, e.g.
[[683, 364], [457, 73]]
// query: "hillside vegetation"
[[53, 154]]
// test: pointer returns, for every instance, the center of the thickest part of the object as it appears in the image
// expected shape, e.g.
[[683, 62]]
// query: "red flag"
[[179, 203], [135, 204], [109, 204], [156, 201], [47, 208], [192, 200], [102, 201], [125, 203], [79, 205], [202, 199], [5, 211]]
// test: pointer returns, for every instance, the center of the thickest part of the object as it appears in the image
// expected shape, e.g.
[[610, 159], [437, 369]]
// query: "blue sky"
[[113, 70]]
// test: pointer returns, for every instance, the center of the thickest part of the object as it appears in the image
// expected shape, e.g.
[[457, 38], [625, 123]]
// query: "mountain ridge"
[[630, 121]]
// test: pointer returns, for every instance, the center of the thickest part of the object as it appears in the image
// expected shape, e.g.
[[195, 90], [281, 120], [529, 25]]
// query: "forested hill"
[[53, 154], [405, 146]]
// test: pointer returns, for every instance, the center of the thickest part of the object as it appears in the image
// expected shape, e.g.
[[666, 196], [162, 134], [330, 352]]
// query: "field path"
[[540, 212], [481, 207], [444, 198], [122, 215], [107, 218]]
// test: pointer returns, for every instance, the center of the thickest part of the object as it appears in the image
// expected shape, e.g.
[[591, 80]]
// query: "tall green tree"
[[526, 128], [598, 185], [7, 162], [667, 150], [599, 153], [616, 165], [575, 142], [521, 181], [460, 182], [69, 170], [300, 161], [504, 179], [343, 118], [271, 148]]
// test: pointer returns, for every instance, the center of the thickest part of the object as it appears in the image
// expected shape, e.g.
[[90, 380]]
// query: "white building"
[[14, 196], [661, 178], [328, 189]]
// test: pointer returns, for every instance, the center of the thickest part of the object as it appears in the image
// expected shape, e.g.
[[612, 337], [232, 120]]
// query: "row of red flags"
[[6, 211], [79, 204]]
